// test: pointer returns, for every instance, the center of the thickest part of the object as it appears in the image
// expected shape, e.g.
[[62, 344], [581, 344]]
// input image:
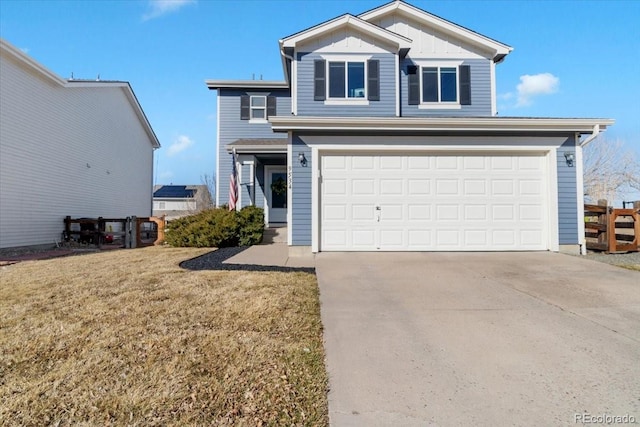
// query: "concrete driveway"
[[479, 339]]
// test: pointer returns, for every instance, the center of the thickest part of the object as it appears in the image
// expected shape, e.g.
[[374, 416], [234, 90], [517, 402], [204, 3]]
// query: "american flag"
[[233, 184]]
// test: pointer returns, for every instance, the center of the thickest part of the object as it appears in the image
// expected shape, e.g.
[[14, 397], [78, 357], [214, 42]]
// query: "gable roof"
[[500, 50], [25, 61], [350, 21]]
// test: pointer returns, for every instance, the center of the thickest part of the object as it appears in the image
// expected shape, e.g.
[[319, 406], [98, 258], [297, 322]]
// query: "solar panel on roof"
[[175, 191]]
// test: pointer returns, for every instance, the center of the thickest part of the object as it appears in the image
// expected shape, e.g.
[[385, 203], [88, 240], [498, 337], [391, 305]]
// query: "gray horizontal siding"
[[232, 128], [567, 197], [480, 92], [308, 107], [301, 203]]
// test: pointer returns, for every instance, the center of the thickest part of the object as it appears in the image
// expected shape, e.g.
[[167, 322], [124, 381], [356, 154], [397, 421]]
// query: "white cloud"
[[534, 85], [162, 7], [166, 175], [180, 144], [24, 49]]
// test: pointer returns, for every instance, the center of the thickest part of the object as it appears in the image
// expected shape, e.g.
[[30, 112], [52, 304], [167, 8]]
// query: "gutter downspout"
[[580, 183], [594, 134]]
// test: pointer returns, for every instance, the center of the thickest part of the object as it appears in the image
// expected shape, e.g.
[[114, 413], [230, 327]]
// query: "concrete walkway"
[[415, 339], [271, 254]]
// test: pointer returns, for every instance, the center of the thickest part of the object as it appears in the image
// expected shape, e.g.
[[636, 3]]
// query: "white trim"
[[289, 190], [245, 84], [550, 153], [315, 200], [239, 183], [252, 180], [294, 84], [346, 21], [346, 101], [397, 88], [346, 59], [494, 104], [439, 106], [438, 65], [431, 148], [454, 124], [552, 193], [218, 177], [582, 241]]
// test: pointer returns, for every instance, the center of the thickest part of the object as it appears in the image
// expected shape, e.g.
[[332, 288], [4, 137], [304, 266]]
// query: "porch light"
[[569, 157], [302, 159]]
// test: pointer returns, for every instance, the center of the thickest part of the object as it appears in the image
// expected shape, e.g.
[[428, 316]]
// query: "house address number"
[[290, 177]]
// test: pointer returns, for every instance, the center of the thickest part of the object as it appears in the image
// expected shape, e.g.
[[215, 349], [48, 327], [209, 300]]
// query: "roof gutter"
[[594, 134]]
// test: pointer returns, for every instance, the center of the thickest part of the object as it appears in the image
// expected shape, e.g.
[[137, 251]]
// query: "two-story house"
[[384, 136]]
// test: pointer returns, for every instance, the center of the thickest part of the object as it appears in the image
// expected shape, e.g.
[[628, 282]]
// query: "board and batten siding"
[[301, 192], [385, 107], [567, 196], [232, 128], [78, 151], [480, 70]]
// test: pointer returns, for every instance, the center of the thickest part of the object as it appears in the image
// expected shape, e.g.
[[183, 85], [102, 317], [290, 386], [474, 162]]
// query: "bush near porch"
[[218, 228]]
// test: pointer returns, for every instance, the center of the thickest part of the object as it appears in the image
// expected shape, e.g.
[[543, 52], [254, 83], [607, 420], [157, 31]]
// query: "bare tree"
[[210, 182], [610, 170]]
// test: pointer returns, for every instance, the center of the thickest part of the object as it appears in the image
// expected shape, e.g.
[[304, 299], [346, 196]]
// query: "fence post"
[[135, 232], [67, 229], [603, 237]]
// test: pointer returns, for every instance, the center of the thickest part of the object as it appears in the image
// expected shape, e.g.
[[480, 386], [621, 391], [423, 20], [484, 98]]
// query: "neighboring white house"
[[175, 201], [67, 147]]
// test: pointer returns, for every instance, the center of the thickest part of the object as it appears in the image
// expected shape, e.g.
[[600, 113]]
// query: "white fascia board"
[[451, 124], [259, 149], [26, 61], [499, 49], [350, 21], [246, 84]]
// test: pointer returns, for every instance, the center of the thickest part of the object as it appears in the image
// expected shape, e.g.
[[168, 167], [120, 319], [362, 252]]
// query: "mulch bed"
[[215, 261]]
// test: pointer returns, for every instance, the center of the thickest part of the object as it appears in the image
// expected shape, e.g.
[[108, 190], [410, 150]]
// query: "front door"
[[276, 193]]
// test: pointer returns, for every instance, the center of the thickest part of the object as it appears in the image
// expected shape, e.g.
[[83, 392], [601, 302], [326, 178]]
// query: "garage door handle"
[[378, 208]]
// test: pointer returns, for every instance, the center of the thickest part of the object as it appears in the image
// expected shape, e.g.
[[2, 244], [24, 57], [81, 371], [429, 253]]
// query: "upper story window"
[[439, 86], [258, 104], [346, 81], [257, 108]]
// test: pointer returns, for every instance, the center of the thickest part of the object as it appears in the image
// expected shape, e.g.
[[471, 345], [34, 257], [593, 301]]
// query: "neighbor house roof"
[[29, 63], [174, 192]]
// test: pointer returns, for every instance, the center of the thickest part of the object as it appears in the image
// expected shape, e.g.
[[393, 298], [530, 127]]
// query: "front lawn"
[[129, 338]]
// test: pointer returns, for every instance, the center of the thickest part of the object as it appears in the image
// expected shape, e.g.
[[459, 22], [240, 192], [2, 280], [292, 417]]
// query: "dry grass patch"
[[129, 338]]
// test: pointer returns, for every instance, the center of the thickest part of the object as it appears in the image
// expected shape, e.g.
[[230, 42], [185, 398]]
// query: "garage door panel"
[[446, 187], [423, 202], [363, 187], [391, 187]]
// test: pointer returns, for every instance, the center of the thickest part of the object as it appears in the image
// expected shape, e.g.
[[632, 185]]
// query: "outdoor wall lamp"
[[302, 159], [569, 157]]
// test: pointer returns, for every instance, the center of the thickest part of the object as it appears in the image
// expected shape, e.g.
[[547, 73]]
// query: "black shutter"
[[465, 85], [414, 85], [245, 111], [319, 80], [373, 80], [271, 106]]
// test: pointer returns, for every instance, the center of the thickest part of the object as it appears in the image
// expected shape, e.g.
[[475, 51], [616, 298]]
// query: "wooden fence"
[[612, 230], [130, 232]]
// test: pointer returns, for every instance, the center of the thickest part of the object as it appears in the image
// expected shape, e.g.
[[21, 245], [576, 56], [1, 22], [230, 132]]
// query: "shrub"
[[217, 228], [251, 219]]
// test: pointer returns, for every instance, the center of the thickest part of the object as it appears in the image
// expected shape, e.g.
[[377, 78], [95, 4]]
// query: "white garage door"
[[427, 202]]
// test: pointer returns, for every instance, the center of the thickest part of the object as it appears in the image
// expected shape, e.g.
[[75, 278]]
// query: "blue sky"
[[570, 58]]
